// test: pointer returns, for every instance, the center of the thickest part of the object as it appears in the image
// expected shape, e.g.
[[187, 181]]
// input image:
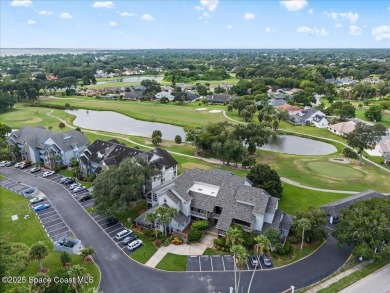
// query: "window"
[[165, 200], [154, 197]]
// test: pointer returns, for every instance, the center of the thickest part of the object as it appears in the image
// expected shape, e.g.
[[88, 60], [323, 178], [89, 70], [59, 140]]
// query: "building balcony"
[[202, 215], [216, 216], [244, 227]]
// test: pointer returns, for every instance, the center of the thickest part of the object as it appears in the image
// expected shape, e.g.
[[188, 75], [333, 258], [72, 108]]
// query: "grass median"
[[173, 262], [30, 231]]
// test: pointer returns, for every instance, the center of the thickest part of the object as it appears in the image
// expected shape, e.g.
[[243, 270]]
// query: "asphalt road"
[[122, 274]]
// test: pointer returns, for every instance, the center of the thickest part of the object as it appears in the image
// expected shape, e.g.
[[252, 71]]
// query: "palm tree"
[[303, 224], [86, 252], [262, 245], [240, 258], [76, 273], [233, 236], [165, 216], [38, 252], [152, 218]]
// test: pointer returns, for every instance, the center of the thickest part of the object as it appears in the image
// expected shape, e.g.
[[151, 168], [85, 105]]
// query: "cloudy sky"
[[194, 24]]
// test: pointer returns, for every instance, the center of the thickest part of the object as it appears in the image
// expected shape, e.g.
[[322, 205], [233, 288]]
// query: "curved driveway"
[[122, 274]]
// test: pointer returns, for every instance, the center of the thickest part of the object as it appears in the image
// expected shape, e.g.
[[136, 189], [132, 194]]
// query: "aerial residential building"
[[221, 197], [40, 145]]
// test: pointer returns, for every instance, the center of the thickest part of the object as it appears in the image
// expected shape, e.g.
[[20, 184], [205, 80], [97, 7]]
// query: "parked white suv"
[[122, 234], [133, 245]]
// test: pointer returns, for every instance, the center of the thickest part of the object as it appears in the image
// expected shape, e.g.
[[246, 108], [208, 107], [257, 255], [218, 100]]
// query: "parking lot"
[[51, 221], [49, 217], [210, 263]]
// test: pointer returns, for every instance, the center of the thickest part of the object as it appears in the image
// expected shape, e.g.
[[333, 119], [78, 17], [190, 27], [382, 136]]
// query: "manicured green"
[[296, 255], [332, 169], [173, 262], [356, 276], [210, 251], [30, 231], [181, 115], [144, 252], [296, 199]]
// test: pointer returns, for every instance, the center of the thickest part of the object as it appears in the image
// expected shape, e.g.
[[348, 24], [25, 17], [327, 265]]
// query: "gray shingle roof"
[[237, 200], [334, 209], [36, 136]]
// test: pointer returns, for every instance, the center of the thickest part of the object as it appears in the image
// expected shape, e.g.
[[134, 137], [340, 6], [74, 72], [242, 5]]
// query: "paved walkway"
[[183, 249], [291, 182], [336, 278], [377, 282]]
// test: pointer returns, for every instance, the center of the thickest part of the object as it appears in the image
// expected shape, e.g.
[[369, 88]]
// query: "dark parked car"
[[111, 221], [69, 181], [85, 197], [129, 239]]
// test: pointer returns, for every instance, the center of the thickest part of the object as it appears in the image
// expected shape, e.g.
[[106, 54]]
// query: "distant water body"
[[42, 51]]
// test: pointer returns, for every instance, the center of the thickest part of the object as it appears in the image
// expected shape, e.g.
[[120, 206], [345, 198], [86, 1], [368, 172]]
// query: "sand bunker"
[[340, 160], [201, 109], [215, 111]]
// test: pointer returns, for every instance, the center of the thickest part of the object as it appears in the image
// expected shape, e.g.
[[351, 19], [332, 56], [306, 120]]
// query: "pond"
[[295, 145], [118, 123], [132, 79]]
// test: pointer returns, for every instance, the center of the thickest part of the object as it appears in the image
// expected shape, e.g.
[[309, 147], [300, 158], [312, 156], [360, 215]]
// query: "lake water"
[[295, 145], [133, 79], [118, 123]]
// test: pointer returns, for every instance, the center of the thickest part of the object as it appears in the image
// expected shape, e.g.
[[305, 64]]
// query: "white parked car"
[[48, 173], [36, 199], [17, 165], [133, 245], [74, 185], [2, 163], [34, 169], [78, 188]]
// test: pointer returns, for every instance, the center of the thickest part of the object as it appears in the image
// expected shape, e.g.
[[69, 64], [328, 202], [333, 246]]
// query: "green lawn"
[[181, 115], [145, 252], [296, 199], [210, 251], [30, 231], [296, 255], [173, 262], [356, 276]]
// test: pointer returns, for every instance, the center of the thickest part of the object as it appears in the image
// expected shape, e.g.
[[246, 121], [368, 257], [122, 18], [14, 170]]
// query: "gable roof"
[[112, 154], [36, 137], [334, 209]]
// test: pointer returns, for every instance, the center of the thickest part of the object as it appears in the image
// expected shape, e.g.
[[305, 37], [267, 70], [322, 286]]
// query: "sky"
[[219, 24]]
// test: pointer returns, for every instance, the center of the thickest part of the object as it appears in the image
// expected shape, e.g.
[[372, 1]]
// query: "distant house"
[[341, 81], [166, 88], [383, 146], [112, 90], [88, 92], [311, 116], [192, 97], [373, 81], [138, 88], [219, 98], [39, 145], [133, 96], [102, 155], [212, 87], [333, 210], [51, 77], [291, 110], [222, 198], [342, 128], [167, 95]]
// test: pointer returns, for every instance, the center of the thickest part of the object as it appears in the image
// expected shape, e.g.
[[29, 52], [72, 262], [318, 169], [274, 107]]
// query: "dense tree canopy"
[[317, 220], [264, 177], [365, 136], [365, 226], [115, 188]]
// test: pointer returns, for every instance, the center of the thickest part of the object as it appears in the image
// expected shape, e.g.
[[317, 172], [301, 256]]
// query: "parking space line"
[[42, 214], [40, 218], [57, 229], [50, 221], [67, 231], [212, 267], [105, 218], [223, 263], [111, 226], [49, 226], [116, 230], [200, 265]]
